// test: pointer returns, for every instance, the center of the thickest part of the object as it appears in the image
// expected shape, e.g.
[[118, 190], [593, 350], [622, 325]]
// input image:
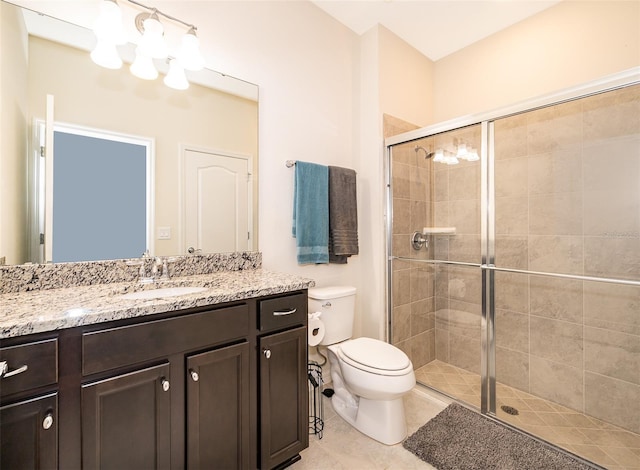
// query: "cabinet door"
[[283, 396], [126, 421], [218, 408], [29, 434]]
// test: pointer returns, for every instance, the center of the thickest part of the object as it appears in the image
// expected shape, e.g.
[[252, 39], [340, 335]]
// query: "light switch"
[[164, 233]]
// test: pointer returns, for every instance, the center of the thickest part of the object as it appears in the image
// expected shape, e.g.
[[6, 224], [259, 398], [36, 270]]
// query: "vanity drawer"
[[41, 361], [283, 311], [127, 345]]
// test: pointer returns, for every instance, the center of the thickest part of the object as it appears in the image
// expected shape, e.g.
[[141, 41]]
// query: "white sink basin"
[[162, 293]]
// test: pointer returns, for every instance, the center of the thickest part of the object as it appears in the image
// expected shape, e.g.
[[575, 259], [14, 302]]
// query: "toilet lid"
[[375, 354]]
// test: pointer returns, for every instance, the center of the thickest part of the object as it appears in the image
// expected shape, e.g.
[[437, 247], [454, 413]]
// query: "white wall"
[[303, 61], [568, 44], [394, 79], [370, 317], [13, 138], [406, 80]]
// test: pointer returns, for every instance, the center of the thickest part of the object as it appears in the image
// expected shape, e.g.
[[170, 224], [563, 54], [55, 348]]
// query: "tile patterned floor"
[[595, 440], [344, 448]]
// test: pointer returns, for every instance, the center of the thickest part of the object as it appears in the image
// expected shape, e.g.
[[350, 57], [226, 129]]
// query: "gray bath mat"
[[461, 439]]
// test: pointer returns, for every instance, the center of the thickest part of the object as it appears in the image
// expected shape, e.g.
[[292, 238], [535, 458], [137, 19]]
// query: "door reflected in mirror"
[[217, 113]]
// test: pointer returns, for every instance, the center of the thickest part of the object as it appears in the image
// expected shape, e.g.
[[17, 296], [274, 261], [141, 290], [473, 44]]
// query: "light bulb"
[[451, 160], [439, 156], [176, 78], [472, 156], [462, 151], [108, 26], [106, 55], [143, 67], [189, 55], [152, 42]]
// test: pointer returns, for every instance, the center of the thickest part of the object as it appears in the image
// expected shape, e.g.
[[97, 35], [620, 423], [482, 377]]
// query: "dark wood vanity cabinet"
[[218, 408], [29, 405], [190, 389], [284, 426], [28, 432], [283, 399], [148, 388], [126, 421]]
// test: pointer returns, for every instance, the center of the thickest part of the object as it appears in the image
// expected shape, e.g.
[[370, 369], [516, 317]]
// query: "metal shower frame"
[[487, 214]]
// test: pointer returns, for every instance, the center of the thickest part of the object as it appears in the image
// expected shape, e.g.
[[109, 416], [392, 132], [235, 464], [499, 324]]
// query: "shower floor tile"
[[595, 440]]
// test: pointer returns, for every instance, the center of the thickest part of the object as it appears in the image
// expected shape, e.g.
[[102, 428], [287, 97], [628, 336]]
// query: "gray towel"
[[343, 214]]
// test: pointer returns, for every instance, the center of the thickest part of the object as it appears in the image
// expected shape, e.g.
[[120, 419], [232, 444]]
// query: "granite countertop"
[[23, 313]]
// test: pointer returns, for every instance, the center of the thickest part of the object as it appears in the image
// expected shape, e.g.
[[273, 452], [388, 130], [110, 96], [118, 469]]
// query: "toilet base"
[[382, 420]]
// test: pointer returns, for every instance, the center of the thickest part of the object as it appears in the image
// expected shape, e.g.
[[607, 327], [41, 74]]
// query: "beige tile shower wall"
[[568, 201], [413, 315], [458, 303]]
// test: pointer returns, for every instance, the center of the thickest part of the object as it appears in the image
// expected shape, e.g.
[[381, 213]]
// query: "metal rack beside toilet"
[[316, 407]]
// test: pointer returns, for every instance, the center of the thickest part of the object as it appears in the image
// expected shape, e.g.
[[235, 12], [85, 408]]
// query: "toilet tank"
[[337, 304]]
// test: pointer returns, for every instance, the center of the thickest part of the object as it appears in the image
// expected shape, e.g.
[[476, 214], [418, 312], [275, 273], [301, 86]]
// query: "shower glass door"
[[567, 199], [435, 268], [514, 280]]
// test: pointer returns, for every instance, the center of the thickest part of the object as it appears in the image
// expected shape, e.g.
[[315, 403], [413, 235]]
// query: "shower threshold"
[[590, 438]]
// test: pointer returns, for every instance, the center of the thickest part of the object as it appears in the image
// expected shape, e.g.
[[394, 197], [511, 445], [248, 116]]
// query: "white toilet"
[[369, 376]]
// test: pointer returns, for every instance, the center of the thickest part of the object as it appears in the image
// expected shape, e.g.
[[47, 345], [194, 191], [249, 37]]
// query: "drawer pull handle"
[[194, 375], [4, 370], [165, 385], [47, 422], [281, 313]]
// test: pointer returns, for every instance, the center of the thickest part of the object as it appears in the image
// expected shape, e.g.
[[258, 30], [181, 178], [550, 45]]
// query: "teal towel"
[[311, 213]]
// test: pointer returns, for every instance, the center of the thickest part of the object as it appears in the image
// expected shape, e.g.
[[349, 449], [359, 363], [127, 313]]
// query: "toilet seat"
[[377, 357]]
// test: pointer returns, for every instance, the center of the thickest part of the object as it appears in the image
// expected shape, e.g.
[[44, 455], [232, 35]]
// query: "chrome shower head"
[[427, 154]]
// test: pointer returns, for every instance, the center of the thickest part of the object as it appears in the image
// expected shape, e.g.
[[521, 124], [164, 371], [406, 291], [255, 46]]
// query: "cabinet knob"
[[267, 353], [165, 385], [47, 422], [194, 375]]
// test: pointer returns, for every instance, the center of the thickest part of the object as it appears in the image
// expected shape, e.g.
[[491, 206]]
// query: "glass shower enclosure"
[[514, 265]]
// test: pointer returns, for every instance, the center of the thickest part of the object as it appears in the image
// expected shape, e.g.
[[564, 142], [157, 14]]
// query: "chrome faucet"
[[160, 268], [157, 267], [142, 273]]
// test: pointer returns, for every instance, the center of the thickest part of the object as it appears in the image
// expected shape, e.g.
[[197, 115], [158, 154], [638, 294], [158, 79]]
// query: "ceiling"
[[436, 28]]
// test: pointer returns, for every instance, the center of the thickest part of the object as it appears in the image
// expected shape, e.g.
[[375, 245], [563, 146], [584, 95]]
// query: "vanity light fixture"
[[461, 151], [152, 42], [451, 159], [465, 152], [176, 78], [106, 55], [108, 27], [472, 155], [189, 55], [109, 32], [143, 67], [439, 156]]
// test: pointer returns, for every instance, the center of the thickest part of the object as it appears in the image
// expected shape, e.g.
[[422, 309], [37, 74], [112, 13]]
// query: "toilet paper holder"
[[315, 329]]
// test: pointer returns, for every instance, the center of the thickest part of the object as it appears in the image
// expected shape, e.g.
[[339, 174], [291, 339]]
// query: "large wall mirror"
[[200, 179]]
